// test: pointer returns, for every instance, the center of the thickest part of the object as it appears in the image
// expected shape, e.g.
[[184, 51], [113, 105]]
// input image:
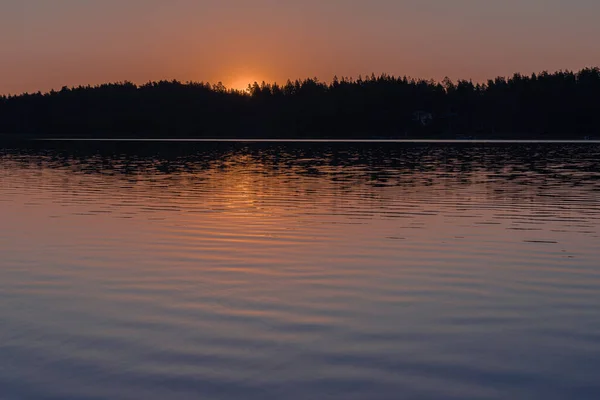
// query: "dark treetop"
[[562, 105]]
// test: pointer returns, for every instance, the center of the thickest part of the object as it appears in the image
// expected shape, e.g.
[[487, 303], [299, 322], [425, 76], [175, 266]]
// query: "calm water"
[[299, 271]]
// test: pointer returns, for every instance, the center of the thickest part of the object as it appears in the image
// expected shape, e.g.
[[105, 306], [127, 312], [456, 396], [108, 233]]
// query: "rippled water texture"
[[299, 271]]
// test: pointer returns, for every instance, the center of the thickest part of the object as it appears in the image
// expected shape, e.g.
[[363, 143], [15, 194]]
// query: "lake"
[[232, 270]]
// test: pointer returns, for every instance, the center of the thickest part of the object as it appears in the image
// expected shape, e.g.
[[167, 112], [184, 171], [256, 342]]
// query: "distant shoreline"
[[558, 106], [498, 138], [19, 138]]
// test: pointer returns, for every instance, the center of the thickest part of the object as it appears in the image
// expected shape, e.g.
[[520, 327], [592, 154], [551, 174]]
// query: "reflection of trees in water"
[[511, 172]]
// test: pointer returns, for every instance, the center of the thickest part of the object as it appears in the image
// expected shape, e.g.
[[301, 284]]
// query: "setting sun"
[[241, 83]]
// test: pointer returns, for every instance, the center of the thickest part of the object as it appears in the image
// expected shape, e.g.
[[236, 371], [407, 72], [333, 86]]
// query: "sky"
[[47, 44]]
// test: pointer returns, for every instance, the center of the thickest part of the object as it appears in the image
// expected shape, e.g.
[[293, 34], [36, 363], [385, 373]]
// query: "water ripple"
[[311, 270]]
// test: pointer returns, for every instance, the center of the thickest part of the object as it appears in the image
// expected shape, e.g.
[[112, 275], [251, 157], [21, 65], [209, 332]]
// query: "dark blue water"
[[299, 271]]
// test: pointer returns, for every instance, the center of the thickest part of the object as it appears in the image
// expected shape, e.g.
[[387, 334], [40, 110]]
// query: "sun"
[[241, 83]]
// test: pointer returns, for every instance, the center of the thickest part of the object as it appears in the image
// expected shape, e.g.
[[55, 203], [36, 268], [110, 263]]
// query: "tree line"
[[563, 104]]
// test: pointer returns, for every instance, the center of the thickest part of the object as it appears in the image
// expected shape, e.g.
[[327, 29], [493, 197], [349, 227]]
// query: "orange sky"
[[48, 44]]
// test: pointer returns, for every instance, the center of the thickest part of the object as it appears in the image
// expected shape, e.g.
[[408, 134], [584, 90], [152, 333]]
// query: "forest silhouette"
[[560, 105]]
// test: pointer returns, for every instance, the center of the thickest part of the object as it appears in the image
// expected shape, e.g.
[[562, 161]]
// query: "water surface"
[[299, 271]]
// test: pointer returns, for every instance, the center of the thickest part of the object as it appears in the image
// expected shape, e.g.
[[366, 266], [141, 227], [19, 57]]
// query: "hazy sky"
[[51, 43]]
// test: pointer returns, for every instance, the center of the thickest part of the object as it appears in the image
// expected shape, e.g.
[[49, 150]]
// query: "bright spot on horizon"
[[241, 83]]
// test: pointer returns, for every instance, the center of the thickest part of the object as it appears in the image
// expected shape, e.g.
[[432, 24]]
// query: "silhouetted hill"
[[562, 105]]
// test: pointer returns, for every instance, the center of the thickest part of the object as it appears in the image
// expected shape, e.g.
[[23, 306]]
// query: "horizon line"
[[267, 140], [350, 79]]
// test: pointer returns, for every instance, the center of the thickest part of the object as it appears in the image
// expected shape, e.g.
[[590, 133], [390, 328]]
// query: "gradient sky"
[[51, 43]]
